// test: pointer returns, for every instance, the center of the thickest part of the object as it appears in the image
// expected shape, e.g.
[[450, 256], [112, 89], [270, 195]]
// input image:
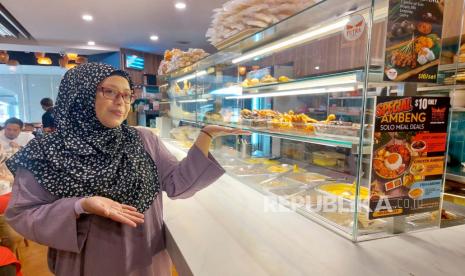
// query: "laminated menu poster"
[[409, 155], [413, 43]]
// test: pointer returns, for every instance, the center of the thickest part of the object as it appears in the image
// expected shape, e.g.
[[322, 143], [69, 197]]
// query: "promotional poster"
[[413, 43], [409, 155]]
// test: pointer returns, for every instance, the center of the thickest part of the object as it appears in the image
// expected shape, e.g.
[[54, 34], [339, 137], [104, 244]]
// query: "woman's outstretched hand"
[[212, 131], [105, 207], [217, 131]]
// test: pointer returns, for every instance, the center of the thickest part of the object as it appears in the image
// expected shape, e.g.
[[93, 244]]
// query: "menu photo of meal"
[[413, 43], [408, 157]]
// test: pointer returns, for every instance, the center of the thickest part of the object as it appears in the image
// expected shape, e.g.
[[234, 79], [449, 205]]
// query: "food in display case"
[[257, 118], [279, 168], [264, 161], [286, 192], [175, 59], [339, 129], [344, 190], [306, 178], [291, 122], [461, 55], [268, 79], [238, 16], [247, 170], [328, 159], [214, 117], [280, 183]]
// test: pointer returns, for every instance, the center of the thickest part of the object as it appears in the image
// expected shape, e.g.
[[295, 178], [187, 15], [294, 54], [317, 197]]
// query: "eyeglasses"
[[112, 94]]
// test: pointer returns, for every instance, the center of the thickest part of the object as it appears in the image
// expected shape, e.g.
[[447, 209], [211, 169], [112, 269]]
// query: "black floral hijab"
[[85, 158]]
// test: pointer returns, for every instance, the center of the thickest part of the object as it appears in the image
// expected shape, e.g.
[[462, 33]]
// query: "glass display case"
[[311, 89]]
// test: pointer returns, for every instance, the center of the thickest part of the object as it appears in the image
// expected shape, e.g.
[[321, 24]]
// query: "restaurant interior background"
[[338, 75]]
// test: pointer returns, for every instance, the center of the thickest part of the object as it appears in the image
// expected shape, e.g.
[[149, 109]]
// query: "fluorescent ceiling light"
[[180, 5], [91, 43], [193, 101], [295, 92], [232, 90], [154, 37], [279, 94], [293, 40], [87, 17], [192, 76]]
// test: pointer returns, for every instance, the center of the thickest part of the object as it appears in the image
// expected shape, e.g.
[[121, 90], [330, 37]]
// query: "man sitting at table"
[[11, 137]]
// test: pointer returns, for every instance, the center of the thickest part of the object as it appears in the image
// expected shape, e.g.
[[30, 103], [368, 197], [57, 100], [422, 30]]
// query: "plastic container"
[[343, 132], [326, 159]]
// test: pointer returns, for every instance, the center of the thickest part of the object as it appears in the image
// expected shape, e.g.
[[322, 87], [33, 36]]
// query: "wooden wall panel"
[[151, 64]]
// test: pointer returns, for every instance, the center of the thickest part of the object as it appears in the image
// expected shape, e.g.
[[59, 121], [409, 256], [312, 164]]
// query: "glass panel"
[[308, 94], [23, 86], [11, 97]]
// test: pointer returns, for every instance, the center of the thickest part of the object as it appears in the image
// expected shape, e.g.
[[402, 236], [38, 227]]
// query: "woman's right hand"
[[105, 207]]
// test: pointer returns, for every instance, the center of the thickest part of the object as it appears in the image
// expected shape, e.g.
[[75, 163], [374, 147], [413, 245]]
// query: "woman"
[[91, 191]]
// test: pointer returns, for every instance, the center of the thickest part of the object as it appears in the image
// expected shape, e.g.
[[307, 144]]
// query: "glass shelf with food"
[[313, 89]]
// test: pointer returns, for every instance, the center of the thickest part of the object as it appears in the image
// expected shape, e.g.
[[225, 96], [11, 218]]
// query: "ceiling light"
[[180, 5], [154, 37], [91, 43], [87, 17], [72, 56], [193, 101], [44, 61], [70, 65]]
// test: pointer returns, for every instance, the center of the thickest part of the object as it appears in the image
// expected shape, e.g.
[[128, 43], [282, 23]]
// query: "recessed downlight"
[[180, 5], [91, 43], [87, 17], [154, 37]]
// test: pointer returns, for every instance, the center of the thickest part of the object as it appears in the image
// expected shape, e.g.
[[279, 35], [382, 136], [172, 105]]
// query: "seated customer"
[[11, 137]]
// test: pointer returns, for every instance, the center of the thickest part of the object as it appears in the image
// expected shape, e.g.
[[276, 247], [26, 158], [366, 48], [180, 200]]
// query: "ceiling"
[[57, 25]]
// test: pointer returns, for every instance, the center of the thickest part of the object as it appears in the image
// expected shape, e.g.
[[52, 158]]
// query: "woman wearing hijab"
[[91, 191]]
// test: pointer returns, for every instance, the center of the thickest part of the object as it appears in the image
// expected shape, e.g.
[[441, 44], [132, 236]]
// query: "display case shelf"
[[320, 140], [456, 174], [338, 82], [451, 67], [445, 88]]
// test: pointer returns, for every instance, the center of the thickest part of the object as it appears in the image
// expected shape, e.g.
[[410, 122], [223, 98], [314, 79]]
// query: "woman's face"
[[110, 107]]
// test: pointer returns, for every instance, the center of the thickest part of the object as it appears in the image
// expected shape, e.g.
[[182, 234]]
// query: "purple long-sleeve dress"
[[96, 246]]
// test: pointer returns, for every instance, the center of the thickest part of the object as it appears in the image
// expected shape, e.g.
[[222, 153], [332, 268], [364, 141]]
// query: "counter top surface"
[[226, 230]]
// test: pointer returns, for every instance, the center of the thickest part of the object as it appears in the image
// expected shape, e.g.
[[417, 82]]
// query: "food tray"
[[305, 178], [343, 132], [286, 192], [247, 170], [322, 189], [231, 161], [255, 123], [278, 169], [277, 183], [306, 198], [289, 127], [256, 179]]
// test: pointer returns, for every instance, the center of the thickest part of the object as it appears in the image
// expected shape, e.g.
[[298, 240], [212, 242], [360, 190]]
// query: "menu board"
[[413, 43], [409, 155]]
